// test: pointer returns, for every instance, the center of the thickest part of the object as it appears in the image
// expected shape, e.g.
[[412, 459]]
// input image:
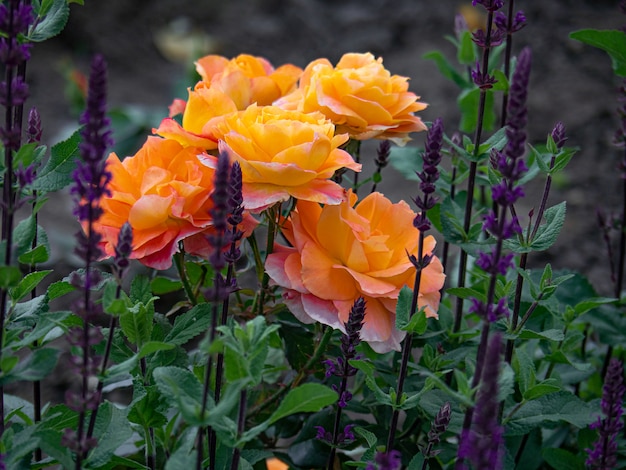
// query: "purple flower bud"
[[490, 5], [34, 126], [482, 80], [495, 38], [382, 154], [558, 135]]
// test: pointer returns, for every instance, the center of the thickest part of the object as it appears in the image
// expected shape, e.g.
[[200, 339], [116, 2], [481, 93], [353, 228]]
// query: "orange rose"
[[275, 464], [248, 79], [360, 96], [227, 86], [284, 154], [163, 191], [340, 253]]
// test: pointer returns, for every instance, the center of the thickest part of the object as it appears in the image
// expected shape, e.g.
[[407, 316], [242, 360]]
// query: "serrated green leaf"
[[524, 370], [549, 231], [57, 173], [59, 289], [53, 23], [44, 326], [27, 284], [551, 334], [190, 324], [111, 429], [403, 307], [24, 234], [183, 390], [39, 254], [542, 388], [136, 322], [613, 42], [306, 398], [553, 408]]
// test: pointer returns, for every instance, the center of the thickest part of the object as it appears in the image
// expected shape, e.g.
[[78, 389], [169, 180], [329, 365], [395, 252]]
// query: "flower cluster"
[[340, 253]]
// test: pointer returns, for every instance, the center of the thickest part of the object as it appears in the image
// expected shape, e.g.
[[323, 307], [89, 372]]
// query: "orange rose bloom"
[[227, 86], [248, 79], [360, 96], [163, 191], [340, 253], [275, 464], [284, 154]]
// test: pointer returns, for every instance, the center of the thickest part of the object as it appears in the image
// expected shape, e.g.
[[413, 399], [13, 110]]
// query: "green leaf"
[[59, 289], [562, 459], [551, 334], [57, 173], [446, 69], [407, 160], [112, 429], [466, 52], [549, 231], [35, 367], [468, 102], [162, 285], [42, 331], [403, 307], [53, 23], [183, 390], [524, 370], [613, 42], [24, 234], [39, 254], [27, 284], [553, 408], [306, 398], [190, 324], [10, 276], [136, 322], [542, 388]]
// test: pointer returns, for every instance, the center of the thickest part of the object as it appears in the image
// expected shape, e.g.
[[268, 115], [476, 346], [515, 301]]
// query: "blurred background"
[[150, 47]]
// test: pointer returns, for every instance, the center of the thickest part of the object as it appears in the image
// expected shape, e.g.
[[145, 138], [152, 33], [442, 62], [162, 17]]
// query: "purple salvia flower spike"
[[482, 444], [603, 455]]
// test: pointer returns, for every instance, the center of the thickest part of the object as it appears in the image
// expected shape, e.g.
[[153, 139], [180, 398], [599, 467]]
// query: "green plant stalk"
[[241, 427], [179, 262], [105, 362], [337, 424], [510, 345], [471, 181], [620, 266], [407, 346]]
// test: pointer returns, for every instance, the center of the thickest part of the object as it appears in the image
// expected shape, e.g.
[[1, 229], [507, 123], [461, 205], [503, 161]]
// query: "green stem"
[[179, 262]]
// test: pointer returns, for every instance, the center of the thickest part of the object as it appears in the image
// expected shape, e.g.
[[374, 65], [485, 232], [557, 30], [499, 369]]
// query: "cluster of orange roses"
[[286, 128]]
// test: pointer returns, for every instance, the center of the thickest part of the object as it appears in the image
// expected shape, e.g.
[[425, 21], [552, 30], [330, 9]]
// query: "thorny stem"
[[471, 182]]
